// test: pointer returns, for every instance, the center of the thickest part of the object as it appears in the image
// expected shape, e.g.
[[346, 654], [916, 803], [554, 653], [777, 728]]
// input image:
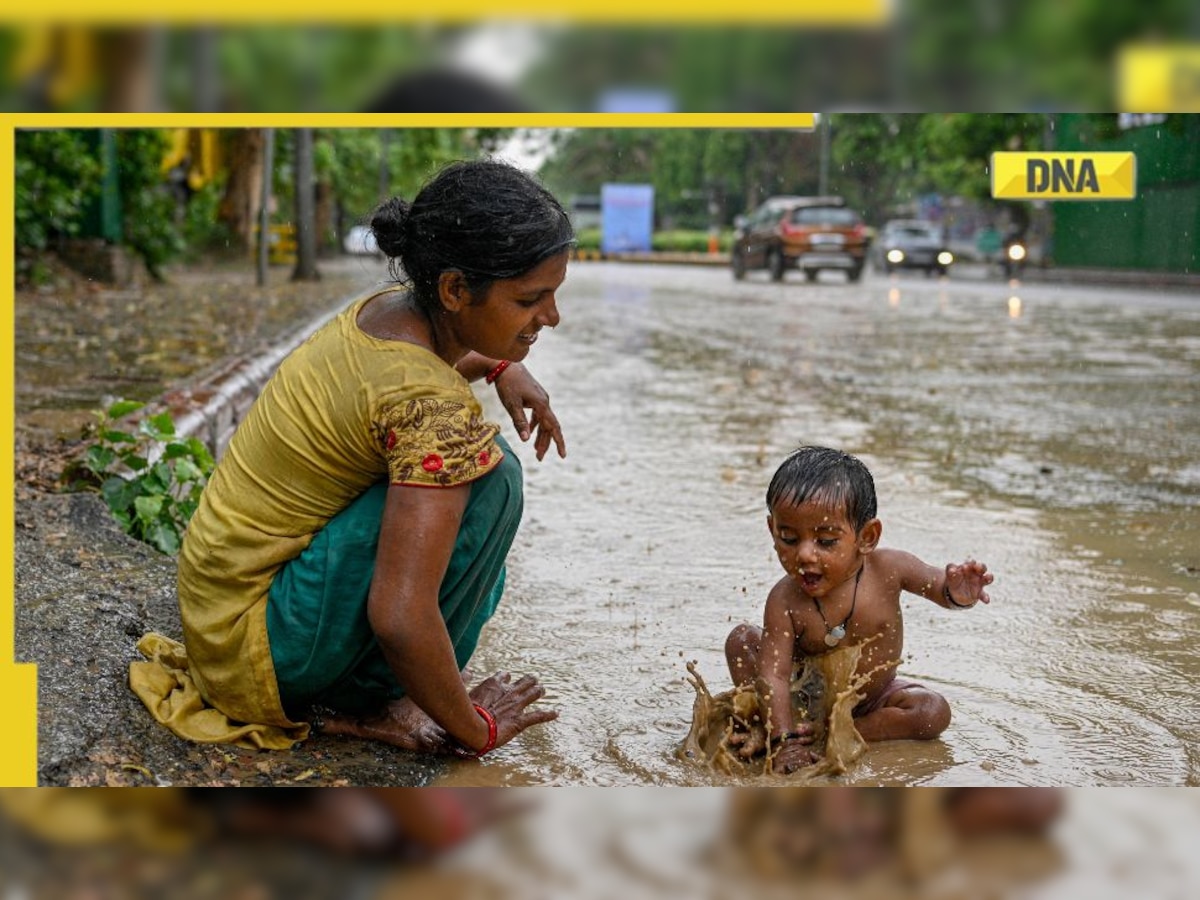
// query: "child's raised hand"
[[965, 584]]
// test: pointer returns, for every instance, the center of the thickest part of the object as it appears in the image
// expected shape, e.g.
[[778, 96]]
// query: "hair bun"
[[389, 224]]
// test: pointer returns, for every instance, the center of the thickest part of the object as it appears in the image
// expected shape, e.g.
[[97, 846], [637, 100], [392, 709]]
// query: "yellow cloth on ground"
[[343, 411]]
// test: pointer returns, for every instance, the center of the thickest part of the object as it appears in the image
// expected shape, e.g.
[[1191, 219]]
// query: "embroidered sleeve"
[[436, 442]]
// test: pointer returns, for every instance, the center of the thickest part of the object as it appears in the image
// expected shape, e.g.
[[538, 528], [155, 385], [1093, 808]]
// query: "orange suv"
[[805, 233]]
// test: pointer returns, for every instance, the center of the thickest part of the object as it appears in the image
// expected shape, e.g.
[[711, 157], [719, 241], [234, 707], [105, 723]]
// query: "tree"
[[147, 206], [264, 216], [243, 186], [689, 168], [883, 161], [56, 175], [306, 225]]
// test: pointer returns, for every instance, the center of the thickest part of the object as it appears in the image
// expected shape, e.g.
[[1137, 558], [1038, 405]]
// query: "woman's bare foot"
[[401, 723], [405, 725]]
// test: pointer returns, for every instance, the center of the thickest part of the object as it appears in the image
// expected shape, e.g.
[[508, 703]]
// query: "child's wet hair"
[[827, 476], [484, 218]]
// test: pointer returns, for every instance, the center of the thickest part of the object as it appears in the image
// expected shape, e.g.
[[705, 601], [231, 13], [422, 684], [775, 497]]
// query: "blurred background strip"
[[707, 58]]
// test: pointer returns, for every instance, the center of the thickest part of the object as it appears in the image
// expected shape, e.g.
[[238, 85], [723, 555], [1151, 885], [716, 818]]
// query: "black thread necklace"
[[833, 636]]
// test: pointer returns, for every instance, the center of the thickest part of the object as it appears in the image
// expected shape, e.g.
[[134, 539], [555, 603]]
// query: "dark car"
[[912, 244], [805, 233]]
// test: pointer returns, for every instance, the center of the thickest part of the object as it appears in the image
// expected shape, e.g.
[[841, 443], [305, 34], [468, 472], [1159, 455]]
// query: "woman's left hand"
[[518, 391]]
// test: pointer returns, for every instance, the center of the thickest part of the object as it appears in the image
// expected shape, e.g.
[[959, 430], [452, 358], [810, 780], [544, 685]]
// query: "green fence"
[[1160, 228]]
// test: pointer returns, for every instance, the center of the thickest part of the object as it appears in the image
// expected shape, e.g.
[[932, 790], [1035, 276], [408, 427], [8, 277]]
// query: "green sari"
[[322, 645]]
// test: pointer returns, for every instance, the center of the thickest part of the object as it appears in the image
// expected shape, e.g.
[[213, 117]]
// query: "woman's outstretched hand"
[[518, 391], [509, 702]]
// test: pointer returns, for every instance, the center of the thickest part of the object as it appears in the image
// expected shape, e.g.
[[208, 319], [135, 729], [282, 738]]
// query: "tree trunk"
[[243, 188], [326, 219], [131, 67], [264, 212], [306, 231]]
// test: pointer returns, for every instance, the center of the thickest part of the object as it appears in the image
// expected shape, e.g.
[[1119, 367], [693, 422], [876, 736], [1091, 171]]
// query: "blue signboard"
[[626, 218]]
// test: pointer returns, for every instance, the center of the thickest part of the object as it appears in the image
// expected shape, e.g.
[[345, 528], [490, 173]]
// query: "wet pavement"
[[1048, 430]]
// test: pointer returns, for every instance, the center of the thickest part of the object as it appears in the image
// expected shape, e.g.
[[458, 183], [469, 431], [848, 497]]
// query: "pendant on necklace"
[[834, 636]]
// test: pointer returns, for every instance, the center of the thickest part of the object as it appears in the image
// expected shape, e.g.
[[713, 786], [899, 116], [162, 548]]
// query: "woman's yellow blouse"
[[343, 411]]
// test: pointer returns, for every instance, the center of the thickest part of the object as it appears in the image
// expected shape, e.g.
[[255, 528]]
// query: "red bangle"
[[498, 371], [467, 752]]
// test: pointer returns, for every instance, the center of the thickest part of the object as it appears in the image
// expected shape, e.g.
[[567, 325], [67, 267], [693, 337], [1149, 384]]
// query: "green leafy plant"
[[150, 479]]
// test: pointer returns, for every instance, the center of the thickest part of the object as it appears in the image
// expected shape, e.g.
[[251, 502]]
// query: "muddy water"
[[1049, 431]]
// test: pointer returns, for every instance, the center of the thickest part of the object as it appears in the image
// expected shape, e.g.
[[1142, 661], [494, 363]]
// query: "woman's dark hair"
[[826, 476], [484, 218]]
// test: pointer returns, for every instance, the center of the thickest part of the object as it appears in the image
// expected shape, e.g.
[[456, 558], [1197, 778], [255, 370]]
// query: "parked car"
[[805, 233], [912, 244]]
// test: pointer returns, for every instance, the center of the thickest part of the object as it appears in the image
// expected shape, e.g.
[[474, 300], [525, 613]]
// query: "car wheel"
[[811, 274], [775, 265], [739, 266], [855, 274]]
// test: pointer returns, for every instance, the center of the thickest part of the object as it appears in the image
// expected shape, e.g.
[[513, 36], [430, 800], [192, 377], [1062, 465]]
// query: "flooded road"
[[1050, 431]]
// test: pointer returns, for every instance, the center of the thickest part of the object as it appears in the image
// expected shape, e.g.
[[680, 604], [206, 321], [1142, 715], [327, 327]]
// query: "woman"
[[351, 542]]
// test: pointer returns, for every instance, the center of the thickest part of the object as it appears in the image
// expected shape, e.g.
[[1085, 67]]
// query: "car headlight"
[[945, 258], [895, 256], [1016, 252]]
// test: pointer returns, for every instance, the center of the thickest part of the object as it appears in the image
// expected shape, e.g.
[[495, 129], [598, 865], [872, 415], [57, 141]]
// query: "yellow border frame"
[[803, 121], [306, 12], [18, 682]]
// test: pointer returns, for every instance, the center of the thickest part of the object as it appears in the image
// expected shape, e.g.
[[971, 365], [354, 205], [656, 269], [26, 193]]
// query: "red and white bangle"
[[467, 752], [491, 376]]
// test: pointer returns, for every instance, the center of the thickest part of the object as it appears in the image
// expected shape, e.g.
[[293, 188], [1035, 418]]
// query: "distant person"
[[989, 243], [351, 542], [840, 587]]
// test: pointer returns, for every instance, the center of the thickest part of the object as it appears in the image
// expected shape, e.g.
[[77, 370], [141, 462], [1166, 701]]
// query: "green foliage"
[[688, 241], [881, 161], [148, 209], [203, 231], [150, 479], [363, 166], [300, 68], [679, 240], [587, 239], [56, 175]]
